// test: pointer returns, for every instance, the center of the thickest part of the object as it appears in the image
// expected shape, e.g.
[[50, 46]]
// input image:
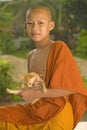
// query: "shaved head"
[[40, 7]]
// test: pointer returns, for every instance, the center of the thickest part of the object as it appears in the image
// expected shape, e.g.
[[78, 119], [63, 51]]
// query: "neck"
[[44, 43]]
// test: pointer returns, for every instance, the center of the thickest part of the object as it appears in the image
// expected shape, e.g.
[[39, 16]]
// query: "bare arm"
[[31, 94], [53, 92]]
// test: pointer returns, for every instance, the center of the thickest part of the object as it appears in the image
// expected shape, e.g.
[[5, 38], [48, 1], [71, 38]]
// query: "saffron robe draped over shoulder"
[[62, 73]]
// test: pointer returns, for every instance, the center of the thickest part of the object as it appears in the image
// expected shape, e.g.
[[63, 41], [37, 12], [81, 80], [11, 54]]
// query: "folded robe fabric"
[[58, 122], [62, 72]]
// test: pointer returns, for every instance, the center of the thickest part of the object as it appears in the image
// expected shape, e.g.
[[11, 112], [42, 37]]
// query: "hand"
[[27, 94]]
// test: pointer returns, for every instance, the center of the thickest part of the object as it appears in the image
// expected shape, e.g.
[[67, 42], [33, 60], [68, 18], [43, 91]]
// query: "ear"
[[33, 79], [51, 25], [21, 78]]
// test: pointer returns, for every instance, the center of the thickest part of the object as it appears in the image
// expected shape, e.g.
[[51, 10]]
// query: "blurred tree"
[[66, 14], [81, 49], [6, 35], [76, 15], [76, 12], [5, 78]]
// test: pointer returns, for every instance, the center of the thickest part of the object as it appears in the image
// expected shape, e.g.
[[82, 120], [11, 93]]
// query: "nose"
[[35, 27]]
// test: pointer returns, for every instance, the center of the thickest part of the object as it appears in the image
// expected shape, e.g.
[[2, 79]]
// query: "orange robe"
[[61, 73]]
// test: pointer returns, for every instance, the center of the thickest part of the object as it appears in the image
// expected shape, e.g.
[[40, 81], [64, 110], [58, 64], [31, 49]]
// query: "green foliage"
[[23, 46], [81, 49], [14, 87], [5, 77], [69, 15], [6, 35], [76, 13], [85, 82], [6, 43]]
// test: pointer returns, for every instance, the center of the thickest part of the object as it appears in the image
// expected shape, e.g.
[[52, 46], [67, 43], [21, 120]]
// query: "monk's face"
[[39, 24]]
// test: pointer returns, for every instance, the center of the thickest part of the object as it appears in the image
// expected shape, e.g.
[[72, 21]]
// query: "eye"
[[41, 22], [29, 23]]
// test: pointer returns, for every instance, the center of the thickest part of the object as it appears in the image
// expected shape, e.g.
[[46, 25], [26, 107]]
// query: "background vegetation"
[[70, 17]]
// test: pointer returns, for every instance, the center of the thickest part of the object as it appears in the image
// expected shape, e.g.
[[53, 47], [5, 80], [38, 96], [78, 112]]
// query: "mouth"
[[35, 34]]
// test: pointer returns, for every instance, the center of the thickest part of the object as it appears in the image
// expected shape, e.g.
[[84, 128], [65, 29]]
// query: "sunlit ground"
[[81, 126]]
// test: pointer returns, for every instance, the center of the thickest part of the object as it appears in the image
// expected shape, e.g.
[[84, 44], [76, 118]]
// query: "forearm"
[[31, 94], [51, 92]]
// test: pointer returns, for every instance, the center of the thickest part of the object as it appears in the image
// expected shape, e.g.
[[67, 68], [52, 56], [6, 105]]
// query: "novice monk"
[[65, 101]]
